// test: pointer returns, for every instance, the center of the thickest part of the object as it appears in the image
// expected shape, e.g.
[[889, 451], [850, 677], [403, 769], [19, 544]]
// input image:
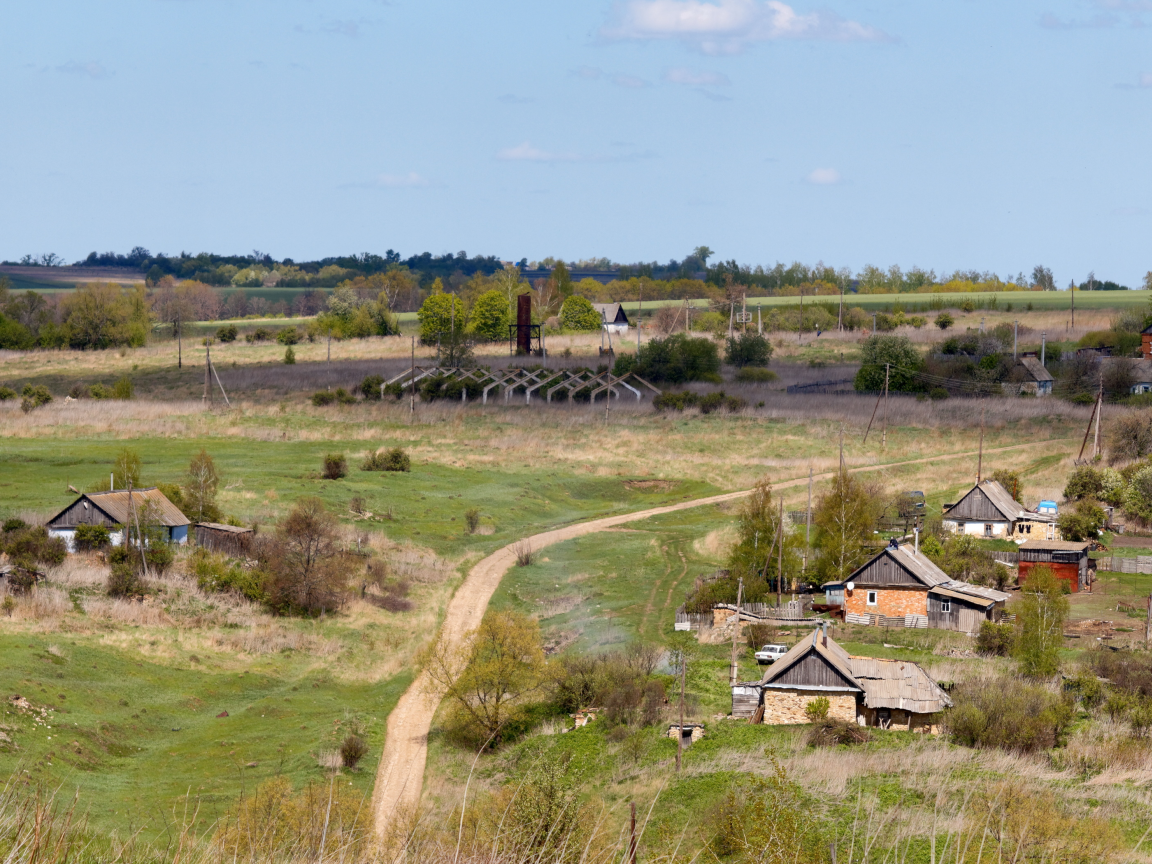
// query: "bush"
[[676, 359], [92, 538], [34, 397], [749, 349], [352, 750], [899, 354], [306, 571], [472, 519], [1009, 714], [335, 466], [1082, 523], [7, 393], [817, 709], [33, 545], [100, 391], [1130, 671], [289, 356], [708, 404], [226, 334], [344, 397], [123, 389], [124, 579], [14, 524], [944, 321], [937, 394], [288, 336], [322, 398], [395, 459], [217, 575], [996, 639], [370, 387], [756, 375], [577, 313], [1084, 482], [258, 335]]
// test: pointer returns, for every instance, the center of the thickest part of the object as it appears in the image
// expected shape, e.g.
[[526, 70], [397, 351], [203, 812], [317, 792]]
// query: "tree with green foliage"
[[441, 317], [577, 313], [104, 315], [491, 315], [676, 359], [200, 486], [960, 556], [900, 356], [1084, 482], [1011, 481], [755, 555], [487, 676], [748, 349], [1040, 615], [126, 468], [845, 517], [1084, 522]]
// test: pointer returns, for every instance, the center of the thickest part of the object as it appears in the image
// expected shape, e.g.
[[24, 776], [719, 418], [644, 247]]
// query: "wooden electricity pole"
[[808, 526], [884, 434], [736, 629], [412, 384], [980, 458], [680, 730], [780, 554], [179, 344], [207, 373]]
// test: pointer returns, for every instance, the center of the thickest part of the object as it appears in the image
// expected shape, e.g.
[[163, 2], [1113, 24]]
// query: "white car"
[[771, 653]]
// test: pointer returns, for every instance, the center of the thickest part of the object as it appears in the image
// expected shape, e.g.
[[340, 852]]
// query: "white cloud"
[[89, 69], [527, 153], [727, 26], [824, 177], [410, 180], [692, 78]]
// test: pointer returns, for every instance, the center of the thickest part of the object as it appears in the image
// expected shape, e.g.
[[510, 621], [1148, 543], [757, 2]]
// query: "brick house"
[[1068, 560], [902, 586], [863, 690]]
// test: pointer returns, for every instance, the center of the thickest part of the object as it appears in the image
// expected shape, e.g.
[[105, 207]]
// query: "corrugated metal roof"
[[115, 504], [961, 595], [898, 684], [1002, 499], [977, 591], [917, 564], [836, 656]]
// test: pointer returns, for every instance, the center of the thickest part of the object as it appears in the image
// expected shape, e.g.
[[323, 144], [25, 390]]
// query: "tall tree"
[[844, 518], [755, 552], [200, 487], [303, 561], [1040, 614]]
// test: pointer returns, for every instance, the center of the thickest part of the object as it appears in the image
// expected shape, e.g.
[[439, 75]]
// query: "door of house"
[[970, 620]]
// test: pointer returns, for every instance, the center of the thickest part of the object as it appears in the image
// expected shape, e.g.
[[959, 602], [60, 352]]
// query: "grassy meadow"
[[133, 691]]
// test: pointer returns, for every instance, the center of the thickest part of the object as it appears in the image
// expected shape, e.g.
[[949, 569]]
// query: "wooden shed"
[[230, 540], [862, 690], [963, 607], [1068, 559], [114, 510]]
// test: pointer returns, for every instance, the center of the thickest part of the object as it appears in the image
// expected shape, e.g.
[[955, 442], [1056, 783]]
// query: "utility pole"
[[808, 525], [179, 343], [731, 315], [1099, 411], [1015, 338], [980, 458], [680, 730], [736, 630], [208, 371], [412, 385], [884, 433], [639, 312], [1043, 346], [759, 322], [632, 837], [329, 370], [800, 329], [1072, 291], [780, 554], [840, 316]]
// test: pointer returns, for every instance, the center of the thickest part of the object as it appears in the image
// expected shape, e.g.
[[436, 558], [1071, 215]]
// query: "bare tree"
[[306, 574]]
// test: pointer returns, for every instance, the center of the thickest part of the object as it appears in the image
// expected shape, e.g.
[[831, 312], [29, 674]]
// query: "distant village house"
[[113, 510], [1068, 561], [889, 694], [614, 318], [989, 510]]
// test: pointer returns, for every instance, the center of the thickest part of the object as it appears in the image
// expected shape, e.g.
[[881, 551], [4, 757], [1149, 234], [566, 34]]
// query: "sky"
[[961, 134]]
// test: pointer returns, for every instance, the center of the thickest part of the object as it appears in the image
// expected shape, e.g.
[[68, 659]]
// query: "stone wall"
[[891, 602], [787, 706]]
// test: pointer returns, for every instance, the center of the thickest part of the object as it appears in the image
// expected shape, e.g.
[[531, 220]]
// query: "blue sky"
[[969, 133]]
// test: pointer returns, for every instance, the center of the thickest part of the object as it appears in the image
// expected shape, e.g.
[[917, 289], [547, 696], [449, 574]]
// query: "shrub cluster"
[[218, 574], [622, 683], [335, 466], [998, 640], [260, 334], [756, 375], [1009, 714], [123, 388], [92, 538], [708, 404], [7, 393], [748, 349], [29, 546], [395, 459], [34, 397], [329, 397], [675, 359], [227, 334]]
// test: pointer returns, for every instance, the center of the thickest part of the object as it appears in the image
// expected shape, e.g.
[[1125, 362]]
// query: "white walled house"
[[113, 510], [989, 510], [614, 318]]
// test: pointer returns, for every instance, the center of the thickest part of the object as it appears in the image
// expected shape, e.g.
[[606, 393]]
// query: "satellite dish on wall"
[[851, 586]]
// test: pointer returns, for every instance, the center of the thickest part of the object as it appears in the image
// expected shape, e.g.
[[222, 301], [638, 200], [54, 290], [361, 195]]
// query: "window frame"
[[872, 598]]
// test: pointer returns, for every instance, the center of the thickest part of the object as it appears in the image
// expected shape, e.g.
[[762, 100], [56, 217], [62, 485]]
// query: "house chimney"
[[825, 626], [917, 532]]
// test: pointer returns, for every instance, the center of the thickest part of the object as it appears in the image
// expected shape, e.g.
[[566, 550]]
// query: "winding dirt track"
[[401, 772]]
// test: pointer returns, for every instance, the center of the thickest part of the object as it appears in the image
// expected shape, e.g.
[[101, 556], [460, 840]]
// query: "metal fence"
[[1139, 564]]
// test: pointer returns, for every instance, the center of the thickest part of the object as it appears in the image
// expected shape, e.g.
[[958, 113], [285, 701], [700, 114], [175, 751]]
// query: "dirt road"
[[401, 772]]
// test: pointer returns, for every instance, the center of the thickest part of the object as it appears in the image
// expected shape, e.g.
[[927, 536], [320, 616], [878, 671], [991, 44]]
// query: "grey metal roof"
[[231, 529], [917, 564], [1002, 499], [885, 683], [977, 591], [898, 684], [612, 313], [1035, 369], [1055, 546]]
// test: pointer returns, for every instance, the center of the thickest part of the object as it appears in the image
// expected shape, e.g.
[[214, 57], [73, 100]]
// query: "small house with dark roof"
[[986, 510], [894, 694], [901, 585], [1067, 559], [114, 510], [613, 315]]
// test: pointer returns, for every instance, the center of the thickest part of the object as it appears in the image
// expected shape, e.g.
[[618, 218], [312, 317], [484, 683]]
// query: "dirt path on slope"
[[400, 775]]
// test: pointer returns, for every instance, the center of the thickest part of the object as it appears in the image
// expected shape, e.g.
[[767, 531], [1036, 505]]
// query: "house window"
[[946, 606], [871, 598], [987, 529]]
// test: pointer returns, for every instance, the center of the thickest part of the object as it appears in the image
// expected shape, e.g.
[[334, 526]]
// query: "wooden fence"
[[1139, 564]]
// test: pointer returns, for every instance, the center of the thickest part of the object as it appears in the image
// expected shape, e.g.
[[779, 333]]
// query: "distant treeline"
[[673, 280]]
